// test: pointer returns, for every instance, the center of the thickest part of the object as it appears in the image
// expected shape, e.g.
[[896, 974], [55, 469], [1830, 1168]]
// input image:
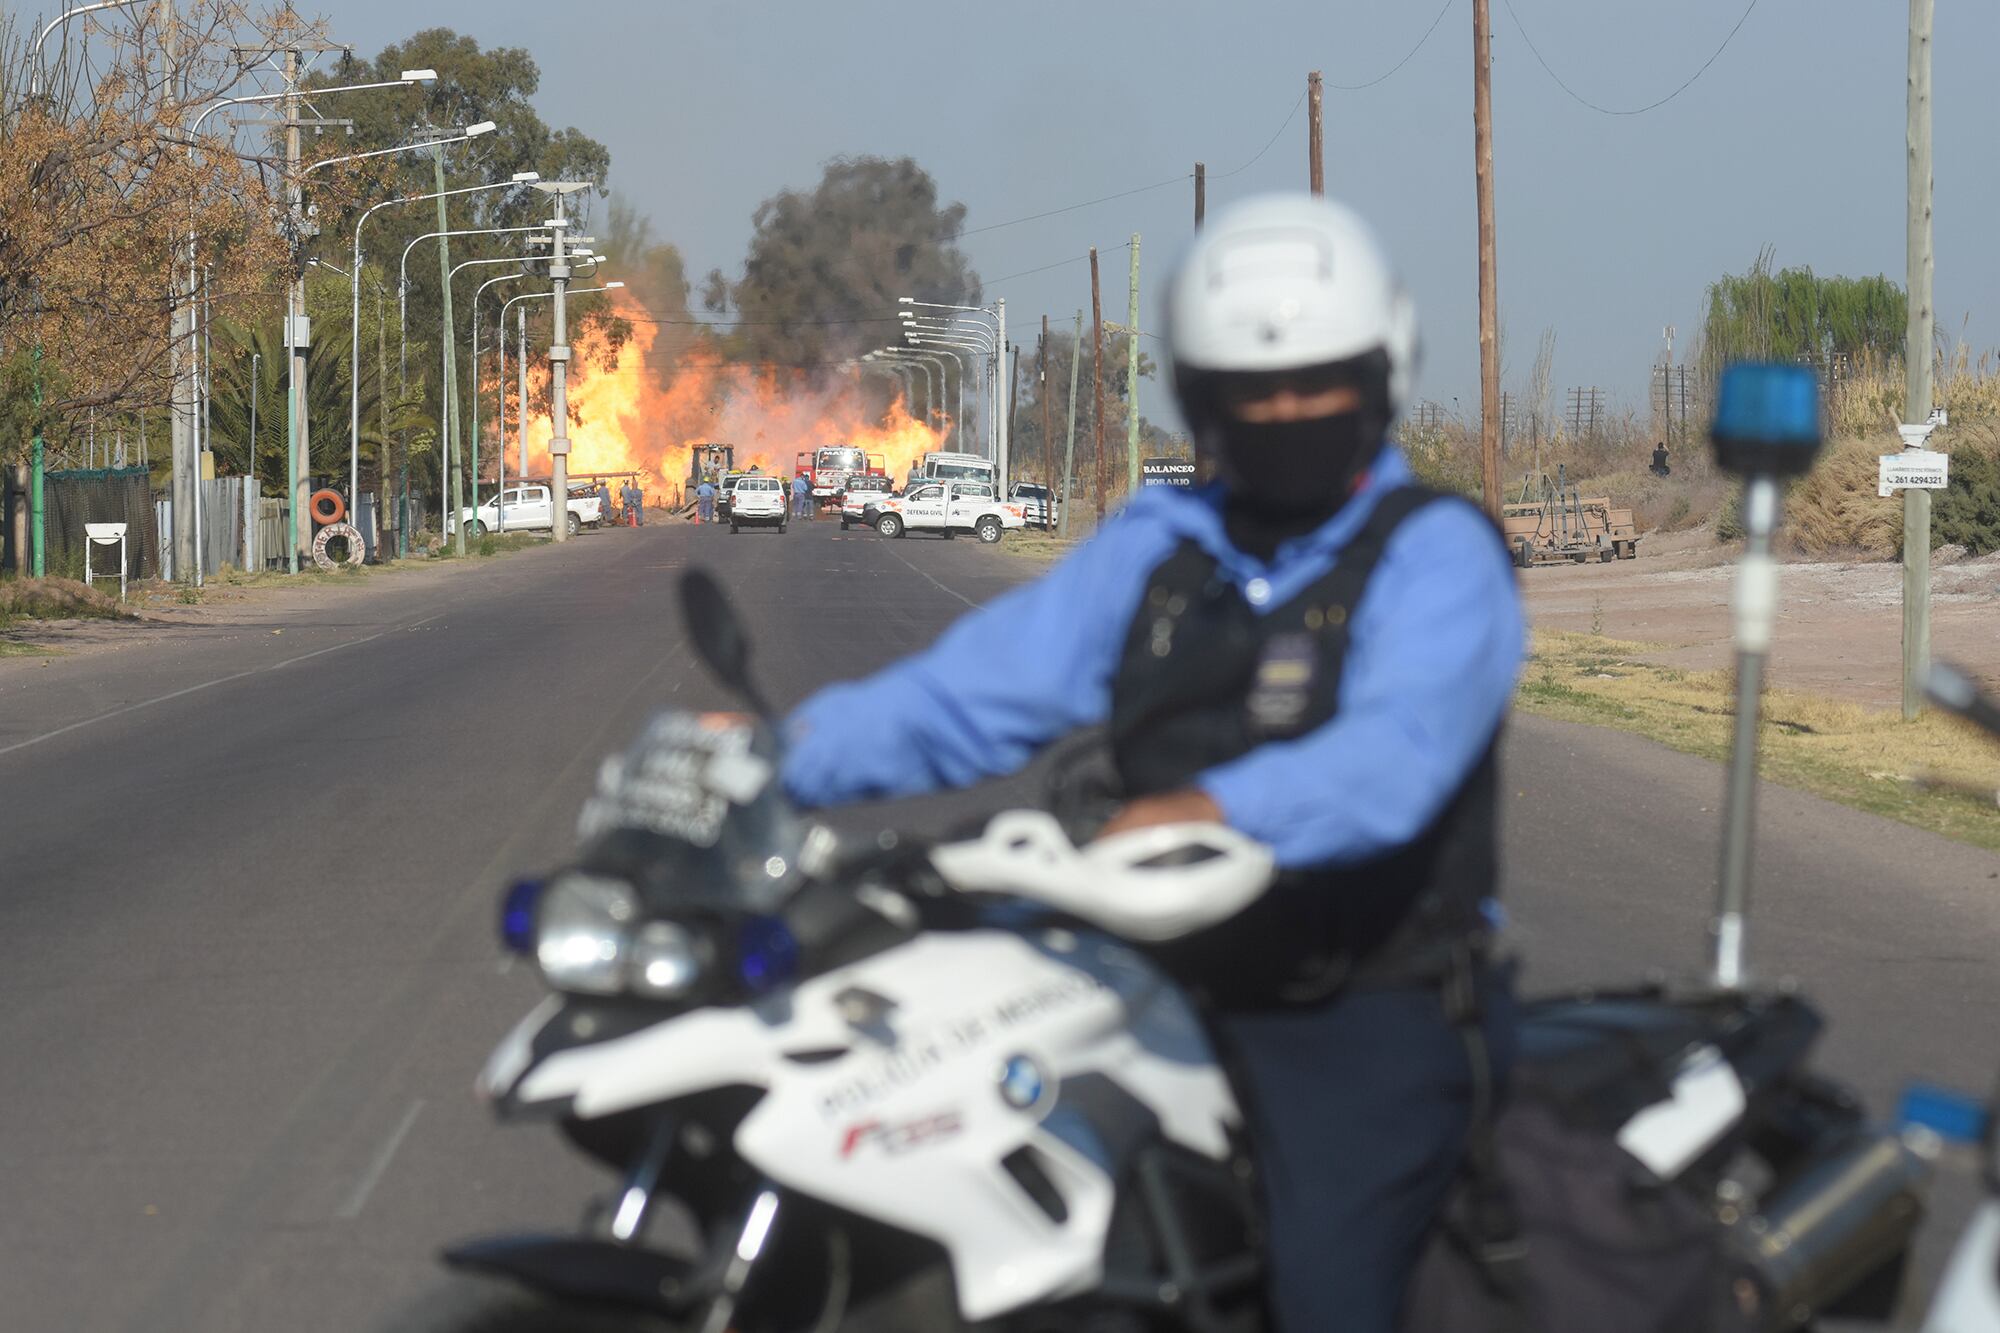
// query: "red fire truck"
[[828, 467]]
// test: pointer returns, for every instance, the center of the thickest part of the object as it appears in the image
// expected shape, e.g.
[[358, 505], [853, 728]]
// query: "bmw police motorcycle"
[[945, 1086]]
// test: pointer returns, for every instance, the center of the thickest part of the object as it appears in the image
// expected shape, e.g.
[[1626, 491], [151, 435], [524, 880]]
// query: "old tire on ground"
[[574, 524], [989, 529], [466, 1304], [327, 506], [334, 532], [1523, 557], [889, 525]]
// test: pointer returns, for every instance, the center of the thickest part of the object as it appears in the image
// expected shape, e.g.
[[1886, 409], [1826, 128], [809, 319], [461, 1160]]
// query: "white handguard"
[[1154, 883]]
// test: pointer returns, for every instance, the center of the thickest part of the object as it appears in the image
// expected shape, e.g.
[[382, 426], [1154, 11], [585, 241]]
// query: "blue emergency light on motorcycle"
[[1766, 419], [767, 954], [1952, 1116], [517, 916]]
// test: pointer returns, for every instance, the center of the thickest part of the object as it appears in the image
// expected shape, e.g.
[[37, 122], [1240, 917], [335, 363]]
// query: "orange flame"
[[626, 421]]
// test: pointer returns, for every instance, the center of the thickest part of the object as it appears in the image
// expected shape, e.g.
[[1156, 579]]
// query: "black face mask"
[[1296, 470]]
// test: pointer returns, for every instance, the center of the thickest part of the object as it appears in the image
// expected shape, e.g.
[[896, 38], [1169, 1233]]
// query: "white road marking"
[[377, 1168], [207, 684], [934, 583]]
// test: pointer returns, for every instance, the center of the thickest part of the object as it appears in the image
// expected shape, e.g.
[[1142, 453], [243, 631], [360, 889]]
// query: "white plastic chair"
[[105, 534]]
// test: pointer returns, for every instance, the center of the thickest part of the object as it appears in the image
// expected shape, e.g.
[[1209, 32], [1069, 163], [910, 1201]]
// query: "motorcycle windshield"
[[693, 815]]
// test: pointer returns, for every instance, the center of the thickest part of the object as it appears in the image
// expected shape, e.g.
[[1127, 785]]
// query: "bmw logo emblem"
[[1021, 1082]]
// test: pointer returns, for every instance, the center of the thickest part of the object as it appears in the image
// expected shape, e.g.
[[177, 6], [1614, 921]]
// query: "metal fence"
[[238, 529], [99, 495]]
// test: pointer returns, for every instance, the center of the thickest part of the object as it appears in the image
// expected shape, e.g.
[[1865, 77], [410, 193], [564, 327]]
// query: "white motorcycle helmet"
[[1288, 291]]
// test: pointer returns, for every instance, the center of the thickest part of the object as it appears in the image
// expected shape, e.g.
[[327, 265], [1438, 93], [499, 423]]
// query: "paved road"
[[246, 888]]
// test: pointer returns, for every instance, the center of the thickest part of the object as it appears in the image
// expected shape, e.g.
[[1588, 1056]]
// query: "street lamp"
[[1001, 390], [446, 409], [521, 421], [354, 326], [905, 373], [968, 345], [585, 256], [937, 360], [35, 57], [299, 309], [186, 488]]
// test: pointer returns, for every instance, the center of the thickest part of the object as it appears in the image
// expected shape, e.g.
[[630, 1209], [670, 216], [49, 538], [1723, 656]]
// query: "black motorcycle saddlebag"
[[1569, 1233], [1598, 1245]]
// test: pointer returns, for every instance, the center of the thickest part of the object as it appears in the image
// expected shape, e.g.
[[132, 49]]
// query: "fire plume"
[[645, 412]]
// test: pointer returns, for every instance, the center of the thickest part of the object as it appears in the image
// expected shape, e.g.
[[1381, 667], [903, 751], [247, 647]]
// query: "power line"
[[1225, 175], [1383, 78], [1637, 110]]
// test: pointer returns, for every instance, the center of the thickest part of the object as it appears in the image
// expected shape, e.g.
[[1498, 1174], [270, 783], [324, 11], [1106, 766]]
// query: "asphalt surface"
[[247, 882]]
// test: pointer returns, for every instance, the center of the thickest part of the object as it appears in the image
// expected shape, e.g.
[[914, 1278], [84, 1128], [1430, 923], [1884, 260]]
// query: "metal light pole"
[[476, 296], [998, 314], [354, 297], [452, 276], [972, 345], [899, 356], [962, 359], [559, 361]]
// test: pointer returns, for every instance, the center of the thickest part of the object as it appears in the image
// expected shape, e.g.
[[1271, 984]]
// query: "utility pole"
[[1013, 398], [1489, 283], [297, 428], [1315, 140], [180, 418], [1097, 374], [383, 517], [1069, 446], [521, 413], [559, 377], [1048, 441], [449, 486], [1132, 378], [1003, 418], [1917, 362], [1200, 192], [403, 397]]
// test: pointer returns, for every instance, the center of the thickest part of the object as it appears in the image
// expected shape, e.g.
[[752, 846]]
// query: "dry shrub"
[[56, 599], [1834, 510]]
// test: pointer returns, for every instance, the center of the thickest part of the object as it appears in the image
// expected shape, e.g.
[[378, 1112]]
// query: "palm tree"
[[248, 360]]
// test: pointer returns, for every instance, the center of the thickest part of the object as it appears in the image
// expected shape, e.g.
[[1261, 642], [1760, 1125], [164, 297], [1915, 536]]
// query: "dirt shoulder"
[[1840, 624], [167, 612]]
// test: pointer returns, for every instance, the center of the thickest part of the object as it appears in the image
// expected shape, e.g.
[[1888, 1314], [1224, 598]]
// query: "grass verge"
[[1936, 773], [56, 599]]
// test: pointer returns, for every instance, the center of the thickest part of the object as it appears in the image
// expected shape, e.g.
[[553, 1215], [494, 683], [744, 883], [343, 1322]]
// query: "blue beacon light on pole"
[[1767, 431]]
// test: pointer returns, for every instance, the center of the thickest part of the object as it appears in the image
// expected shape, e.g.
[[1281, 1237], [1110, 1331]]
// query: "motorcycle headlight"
[[666, 961], [583, 933]]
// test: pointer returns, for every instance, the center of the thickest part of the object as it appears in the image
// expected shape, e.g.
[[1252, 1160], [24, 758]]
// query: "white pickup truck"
[[948, 508], [528, 510]]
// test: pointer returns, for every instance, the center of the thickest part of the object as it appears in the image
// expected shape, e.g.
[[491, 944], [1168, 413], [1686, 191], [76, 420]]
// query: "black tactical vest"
[[1204, 679]]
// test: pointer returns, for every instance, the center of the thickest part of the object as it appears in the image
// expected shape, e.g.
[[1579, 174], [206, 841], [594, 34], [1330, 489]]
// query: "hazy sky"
[[1608, 225]]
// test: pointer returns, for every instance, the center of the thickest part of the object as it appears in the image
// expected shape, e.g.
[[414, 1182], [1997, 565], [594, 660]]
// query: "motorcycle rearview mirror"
[[1767, 431], [719, 637], [1956, 692]]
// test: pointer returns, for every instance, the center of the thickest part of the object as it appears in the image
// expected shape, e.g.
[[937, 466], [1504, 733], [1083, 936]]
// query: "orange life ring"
[[327, 506]]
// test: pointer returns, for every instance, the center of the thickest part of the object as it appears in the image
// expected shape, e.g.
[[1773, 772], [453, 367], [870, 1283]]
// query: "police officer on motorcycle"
[[1317, 651]]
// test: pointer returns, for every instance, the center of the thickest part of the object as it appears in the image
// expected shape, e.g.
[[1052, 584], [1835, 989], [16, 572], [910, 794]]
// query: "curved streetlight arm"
[[966, 337], [35, 58], [403, 268], [958, 420], [470, 132], [967, 309], [354, 320]]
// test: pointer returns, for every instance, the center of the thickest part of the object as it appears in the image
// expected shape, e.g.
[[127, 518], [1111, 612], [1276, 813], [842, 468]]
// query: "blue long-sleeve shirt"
[[1434, 647]]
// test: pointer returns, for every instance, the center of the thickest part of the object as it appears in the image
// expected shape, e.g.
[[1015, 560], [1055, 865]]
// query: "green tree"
[[1796, 315], [473, 84], [825, 267], [1032, 456]]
